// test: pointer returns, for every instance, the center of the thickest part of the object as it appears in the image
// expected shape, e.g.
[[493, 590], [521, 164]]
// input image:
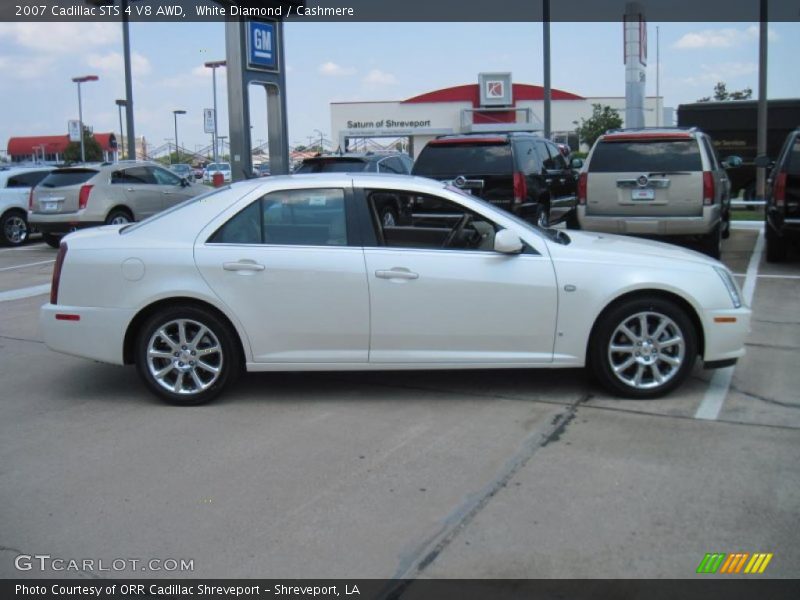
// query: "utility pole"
[[761, 140], [126, 51], [546, 55]]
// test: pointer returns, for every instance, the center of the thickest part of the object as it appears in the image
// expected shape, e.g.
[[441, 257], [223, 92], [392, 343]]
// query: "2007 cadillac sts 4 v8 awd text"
[[300, 273]]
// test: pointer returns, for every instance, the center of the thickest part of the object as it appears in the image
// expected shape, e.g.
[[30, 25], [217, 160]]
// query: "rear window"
[[333, 165], [449, 160], [65, 177], [646, 155]]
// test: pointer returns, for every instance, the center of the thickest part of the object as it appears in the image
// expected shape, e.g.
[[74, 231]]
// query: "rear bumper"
[[655, 225], [783, 225], [60, 224], [725, 333], [99, 334]]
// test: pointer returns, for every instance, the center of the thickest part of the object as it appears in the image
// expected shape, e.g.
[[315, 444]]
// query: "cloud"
[[720, 38], [60, 38], [114, 63], [29, 68], [378, 77], [331, 69], [711, 74]]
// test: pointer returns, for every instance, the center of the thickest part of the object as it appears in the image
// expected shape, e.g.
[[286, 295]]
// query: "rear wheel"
[[726, 225], [119, 216], [572, 219], [712, 242], [51, 240], [776, 245], [643, 348], [187, 355], [14, 228]]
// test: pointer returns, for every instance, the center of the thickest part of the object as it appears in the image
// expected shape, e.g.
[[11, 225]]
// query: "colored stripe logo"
[[737, 562]]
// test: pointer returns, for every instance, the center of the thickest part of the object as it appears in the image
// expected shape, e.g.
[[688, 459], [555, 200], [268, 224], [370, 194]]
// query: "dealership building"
[[493, 104]]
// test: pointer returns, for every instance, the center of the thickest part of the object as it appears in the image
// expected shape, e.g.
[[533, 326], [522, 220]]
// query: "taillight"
[[708, 188], [62, 254], [520, 187], [583, 183], [83, 196], [780, 189], [30, 200]]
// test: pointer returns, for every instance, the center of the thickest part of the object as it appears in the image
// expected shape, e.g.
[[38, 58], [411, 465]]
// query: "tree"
[[603, 118], [722, 94], [91, 148]]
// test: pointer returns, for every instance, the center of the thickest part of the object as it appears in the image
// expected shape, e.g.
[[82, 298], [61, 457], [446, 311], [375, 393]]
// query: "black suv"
[[522, 173], [783, 200]]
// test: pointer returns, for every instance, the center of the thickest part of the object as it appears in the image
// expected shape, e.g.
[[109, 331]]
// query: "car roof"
[[650, 133], [489, 137]]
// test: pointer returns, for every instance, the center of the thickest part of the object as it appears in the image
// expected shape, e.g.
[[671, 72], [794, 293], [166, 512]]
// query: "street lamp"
[[214, 65], [221, 139], [175, 114], [120, 147], [79, 81]]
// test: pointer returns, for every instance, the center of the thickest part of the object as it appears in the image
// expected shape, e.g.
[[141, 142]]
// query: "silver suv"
[[657, 182], [87, 195]]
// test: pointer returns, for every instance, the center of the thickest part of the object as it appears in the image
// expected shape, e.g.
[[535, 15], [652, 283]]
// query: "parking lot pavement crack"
[[774, 322], [412, 565], [771, 401], [17, 339], [773, 346]]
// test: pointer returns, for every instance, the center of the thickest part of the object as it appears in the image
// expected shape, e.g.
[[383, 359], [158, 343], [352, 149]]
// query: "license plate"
[[50, 206], [643, 194]]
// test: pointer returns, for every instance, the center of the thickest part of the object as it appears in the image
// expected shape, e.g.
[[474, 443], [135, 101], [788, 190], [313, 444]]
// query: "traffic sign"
[[262, 46], [208, 120], [74, 128]]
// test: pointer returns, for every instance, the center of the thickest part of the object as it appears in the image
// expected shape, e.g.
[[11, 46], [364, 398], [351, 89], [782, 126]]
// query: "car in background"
[[782, 215], [198, 171], [72, 198], [396, 163], [214, 168], [522, 173], [262, 170], [235, 279], [665, 182], [16, 184], [182, 170]]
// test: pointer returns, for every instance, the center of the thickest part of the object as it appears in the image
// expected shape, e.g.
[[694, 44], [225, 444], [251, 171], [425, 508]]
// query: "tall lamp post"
[[175, 114], [222, 139], [79, 81], [120, 146], [214, 65]]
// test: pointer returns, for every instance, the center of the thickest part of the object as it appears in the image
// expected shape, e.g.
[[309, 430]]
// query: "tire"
[[54, 241], [776, 245], [119, 216], [673, 361], [542, 215], [14, 230], [217, 347], [712, 242], [726, 225], [572, 219]]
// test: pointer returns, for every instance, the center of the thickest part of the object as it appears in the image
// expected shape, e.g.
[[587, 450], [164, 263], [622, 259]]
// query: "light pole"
[[175, 114], [120, 147], [321, 138], [213, 65], [79, 81], [221, 139]]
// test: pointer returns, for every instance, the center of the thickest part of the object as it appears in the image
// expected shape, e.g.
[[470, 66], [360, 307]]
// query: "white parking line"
[[769, 276], [28, 292], [720, 383], [33, 264]]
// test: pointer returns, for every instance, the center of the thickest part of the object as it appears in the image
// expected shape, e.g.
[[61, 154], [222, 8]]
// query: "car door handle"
[[396, 273], [166, 193], [243, 265], [130, 189]]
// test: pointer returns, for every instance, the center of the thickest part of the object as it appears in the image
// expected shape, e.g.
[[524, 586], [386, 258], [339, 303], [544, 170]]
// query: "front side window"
[[164, 177], [427, 222], [133, 176], [310, 217], [556, 161]]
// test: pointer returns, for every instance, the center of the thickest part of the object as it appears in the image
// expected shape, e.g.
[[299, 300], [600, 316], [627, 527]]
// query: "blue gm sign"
[[262, 46]]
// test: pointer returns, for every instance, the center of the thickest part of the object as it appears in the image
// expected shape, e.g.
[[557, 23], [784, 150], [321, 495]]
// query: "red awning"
[[54, 144], [470, 93]]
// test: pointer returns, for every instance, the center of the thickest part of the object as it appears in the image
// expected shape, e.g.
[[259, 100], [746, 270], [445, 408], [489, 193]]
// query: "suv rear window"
[[646, 155], [65, 177], [332, 165], [449, 160], [793, 158]]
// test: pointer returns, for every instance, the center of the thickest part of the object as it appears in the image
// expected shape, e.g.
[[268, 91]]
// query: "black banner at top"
[[395, 10]]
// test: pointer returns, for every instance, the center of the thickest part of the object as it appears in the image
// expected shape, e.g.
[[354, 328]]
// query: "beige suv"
[[657, 182], [71, 198]]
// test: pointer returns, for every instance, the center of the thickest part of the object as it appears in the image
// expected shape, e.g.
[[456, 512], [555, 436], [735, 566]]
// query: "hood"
[[620, 249]]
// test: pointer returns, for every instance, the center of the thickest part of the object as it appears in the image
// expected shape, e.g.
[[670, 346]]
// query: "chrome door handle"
[[396, 273], [130, 189], [243, 265], [167, 193]]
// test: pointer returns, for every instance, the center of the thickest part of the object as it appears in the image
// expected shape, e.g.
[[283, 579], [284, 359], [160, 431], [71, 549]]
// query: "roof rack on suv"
[[650, 129]]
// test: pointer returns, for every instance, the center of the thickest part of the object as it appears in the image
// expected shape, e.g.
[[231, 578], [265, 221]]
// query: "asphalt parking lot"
[[517, 474]]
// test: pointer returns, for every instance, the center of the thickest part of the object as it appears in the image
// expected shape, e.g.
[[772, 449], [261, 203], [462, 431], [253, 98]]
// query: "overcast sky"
[[358, 61]]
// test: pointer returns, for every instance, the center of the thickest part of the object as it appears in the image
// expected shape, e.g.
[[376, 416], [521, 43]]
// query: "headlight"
[[730, 285]]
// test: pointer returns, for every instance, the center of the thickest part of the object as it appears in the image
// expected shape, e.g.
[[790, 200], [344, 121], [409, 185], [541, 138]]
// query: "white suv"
[[657, 182], [15, 189]]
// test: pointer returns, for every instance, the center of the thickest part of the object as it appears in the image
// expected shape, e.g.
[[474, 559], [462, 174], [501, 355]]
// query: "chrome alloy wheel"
[[119, 219], [184, 357], [15, 229], [646, 350]]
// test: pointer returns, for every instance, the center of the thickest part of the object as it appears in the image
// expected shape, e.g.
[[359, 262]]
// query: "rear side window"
[[646, 155], [449, 160], [66, 177], [25, 180], [527, 158], [332, 166], [793, 158]]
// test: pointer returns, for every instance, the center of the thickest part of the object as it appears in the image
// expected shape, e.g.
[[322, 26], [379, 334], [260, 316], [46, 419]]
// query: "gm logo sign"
[[262, 44]]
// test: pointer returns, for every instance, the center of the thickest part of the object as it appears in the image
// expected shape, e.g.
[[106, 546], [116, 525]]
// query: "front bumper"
[[725, 331], [98, 334], [654, 225]]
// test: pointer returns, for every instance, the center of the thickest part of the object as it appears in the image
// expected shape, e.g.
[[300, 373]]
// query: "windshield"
[[219, 167]]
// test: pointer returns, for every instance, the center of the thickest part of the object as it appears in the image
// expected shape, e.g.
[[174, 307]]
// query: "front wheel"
[[187, 355], [118, 217], [712, 242], [776, 245], [643, 348], [572, 219], [14, 229]]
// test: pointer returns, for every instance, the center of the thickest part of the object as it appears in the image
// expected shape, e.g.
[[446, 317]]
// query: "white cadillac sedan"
[[299, 273]]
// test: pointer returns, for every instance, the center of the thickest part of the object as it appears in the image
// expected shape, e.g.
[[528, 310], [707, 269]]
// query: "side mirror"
[[732, 162], [507, 242], [577, 163], [763, 162]]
